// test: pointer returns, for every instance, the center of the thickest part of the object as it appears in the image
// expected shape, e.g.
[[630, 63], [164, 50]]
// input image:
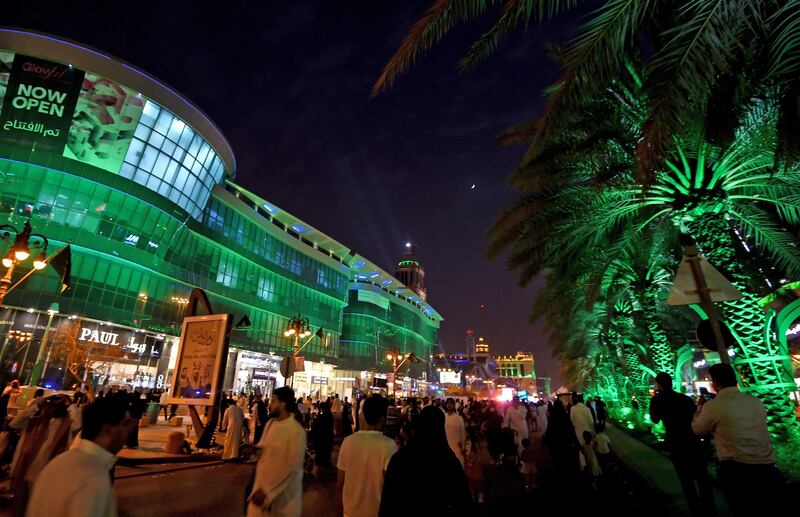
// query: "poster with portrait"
[[202, 348]]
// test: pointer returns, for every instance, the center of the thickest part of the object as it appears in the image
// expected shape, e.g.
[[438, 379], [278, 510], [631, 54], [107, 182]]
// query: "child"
[[592, 468], [474, 470], [602, 445], [528, 458]]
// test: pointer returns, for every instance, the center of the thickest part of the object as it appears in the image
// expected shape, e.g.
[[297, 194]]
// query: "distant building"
[[482, 350], [470, 344], [519, 368]]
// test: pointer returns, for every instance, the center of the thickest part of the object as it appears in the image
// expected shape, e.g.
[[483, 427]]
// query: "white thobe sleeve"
[[225, 418], [89, 500], [295, 455]]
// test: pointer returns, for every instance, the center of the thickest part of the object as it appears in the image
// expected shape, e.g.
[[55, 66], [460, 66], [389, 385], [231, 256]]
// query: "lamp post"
[[40, 369], [180, 303], [298, 328], [394, 356], [24, 241]]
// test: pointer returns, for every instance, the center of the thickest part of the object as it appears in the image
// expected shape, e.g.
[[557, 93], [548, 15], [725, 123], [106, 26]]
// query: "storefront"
[[314, 379], [257, 373], [74, 348]]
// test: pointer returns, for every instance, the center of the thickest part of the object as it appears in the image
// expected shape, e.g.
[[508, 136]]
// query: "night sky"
[[288, 83]]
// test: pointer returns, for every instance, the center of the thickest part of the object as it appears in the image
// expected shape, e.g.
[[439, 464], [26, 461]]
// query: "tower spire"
[[410, 271]]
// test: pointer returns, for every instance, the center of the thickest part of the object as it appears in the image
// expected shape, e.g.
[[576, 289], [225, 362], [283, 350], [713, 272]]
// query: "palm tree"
[[644, 270], [704, 56], [729, 199]]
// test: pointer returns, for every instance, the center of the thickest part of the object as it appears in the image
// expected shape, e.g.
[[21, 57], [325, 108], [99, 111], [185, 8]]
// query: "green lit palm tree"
[[644, 271], [728, 198]]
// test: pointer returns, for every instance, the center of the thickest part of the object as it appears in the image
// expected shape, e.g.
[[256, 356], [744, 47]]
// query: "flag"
[[413, 358], [319, 333], [62, 263]]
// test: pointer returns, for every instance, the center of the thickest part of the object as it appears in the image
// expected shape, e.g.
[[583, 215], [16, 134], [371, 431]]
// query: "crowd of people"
[[64, 436], [487, 456]]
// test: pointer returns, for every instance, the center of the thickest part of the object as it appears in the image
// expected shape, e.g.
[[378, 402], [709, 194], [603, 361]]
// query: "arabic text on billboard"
[[38, 103]]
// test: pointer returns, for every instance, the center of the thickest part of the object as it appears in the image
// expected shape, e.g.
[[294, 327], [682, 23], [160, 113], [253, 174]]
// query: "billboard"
[[197, 377], [80, 115], [38, 103], [449, 377], [105, 119]]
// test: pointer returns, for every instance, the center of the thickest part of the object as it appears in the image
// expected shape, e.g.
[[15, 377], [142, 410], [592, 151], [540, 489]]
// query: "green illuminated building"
[[97, 153]]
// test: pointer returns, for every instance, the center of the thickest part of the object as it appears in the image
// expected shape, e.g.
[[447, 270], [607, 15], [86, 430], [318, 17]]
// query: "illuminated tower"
[[410, 272], [470, 345], [482, 349]]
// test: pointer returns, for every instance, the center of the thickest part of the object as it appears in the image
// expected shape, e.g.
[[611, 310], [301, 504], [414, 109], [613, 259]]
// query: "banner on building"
[[203, 343], [38, 104], [105, 119]]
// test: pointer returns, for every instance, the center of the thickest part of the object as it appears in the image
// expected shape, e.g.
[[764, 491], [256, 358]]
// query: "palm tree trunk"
[[760, 362], [660, 349]]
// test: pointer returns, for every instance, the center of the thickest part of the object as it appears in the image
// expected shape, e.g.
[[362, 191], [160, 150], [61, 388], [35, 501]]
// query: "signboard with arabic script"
[[201, 352], [38, 104]]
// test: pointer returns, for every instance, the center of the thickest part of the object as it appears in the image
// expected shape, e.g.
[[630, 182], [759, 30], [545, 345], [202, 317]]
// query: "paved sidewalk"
[[655, 468], [152, 443]]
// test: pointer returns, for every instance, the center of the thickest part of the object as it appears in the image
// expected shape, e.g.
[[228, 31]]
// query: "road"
[[217, 489], [182, 489]]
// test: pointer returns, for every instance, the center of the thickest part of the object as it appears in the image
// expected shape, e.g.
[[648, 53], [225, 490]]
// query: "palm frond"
[[769, 237], [597, 55], [698, 50], [784, 43], [437, 21], [513, 14]]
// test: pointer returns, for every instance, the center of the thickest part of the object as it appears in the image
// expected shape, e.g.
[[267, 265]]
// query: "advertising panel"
[[38, 103], [450, 377], [105, 119], [202, 348]]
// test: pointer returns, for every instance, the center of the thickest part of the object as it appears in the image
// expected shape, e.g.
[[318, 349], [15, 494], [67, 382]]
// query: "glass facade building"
[[140, 182]]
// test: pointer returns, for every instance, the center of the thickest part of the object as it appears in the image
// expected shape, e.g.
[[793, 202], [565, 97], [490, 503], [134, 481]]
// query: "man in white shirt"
[[455, 430], [581, 417], [232, 423], [363, 459], [747, 471], [163, 399], [278, 487], [77, 483], [515, 419]]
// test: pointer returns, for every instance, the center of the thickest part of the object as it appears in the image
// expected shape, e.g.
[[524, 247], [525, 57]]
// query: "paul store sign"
[[96, 336], [101, 337]]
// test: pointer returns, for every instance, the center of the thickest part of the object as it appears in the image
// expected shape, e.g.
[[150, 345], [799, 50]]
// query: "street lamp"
[[180, 304], [398, 359], [40, 369], [20, 251], [299, 328]]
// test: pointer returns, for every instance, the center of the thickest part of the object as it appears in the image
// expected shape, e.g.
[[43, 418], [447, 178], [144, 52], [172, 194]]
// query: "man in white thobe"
[[336, 410], [455, 430], [516, 420], [581, 417], [278, 487], [77, 483], [232, 424]]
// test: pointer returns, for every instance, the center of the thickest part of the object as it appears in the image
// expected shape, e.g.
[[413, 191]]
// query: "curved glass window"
[[169, 157]]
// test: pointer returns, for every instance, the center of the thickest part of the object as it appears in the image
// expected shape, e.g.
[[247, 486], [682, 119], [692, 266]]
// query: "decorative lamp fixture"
[[298, 326], [41, 261]]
